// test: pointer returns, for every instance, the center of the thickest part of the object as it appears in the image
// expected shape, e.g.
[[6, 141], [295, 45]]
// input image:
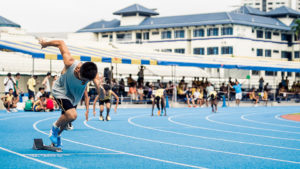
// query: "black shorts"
[[101, 102], [6, 106], [65, 105], [15, 94]]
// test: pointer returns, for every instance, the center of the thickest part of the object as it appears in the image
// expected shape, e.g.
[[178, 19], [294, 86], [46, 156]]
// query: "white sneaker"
[[8, 111], [14, 110]]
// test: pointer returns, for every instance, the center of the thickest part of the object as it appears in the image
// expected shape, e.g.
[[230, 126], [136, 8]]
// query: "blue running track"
[[245, 137]]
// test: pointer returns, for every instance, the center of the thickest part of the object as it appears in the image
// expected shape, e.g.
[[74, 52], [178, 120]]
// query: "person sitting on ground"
[[39, 93], [49, 103], [8, 101], [39, 104], [189, 96], [105, 98], [29, 104], [254, 97]]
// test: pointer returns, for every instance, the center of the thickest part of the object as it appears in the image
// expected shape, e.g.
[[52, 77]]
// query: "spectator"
[[31, 83], [238, 92], [122, 88], [40, 93], [29, 104], [286, 83], [39, 104], [209, 89], [9, 83], [140, 93], [265, 96], [133, 92], [17, 90], [261, 84], [254, 97], [189, 96], [46, 84], [8, 101], [130, 81], [49, 103], [196, 97], [141, 76], [55, 77]]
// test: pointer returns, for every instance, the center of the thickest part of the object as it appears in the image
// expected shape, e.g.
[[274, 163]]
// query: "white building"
[[298, 5], [267, 5], [246, 32]]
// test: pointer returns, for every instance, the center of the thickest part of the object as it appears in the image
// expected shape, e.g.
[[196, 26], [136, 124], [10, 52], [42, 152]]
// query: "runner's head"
[[88, 71]]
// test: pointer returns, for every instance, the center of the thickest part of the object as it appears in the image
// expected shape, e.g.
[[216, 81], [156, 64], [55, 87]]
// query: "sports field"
[[245, 137]]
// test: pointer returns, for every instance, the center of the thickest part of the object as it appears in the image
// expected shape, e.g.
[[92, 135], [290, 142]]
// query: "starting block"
[[39, 145]]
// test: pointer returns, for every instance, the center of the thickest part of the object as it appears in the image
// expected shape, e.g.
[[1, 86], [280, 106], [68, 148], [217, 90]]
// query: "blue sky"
[[71, 15]]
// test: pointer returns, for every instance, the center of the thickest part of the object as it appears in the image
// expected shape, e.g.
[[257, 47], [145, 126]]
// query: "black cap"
[[18, 74], [8, 74], [48, 74]]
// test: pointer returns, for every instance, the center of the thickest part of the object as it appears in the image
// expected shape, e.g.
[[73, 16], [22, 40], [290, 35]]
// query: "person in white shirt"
[[9, 83], [46, 83]]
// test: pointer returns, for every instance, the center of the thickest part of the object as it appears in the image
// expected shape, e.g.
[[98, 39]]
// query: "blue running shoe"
[[53, 135], [59, 143]]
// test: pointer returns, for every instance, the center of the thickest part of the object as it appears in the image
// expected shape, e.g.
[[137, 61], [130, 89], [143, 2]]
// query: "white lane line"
[[130, 154], [34, 159], [191, 147], [242, 126], [282, 119], [14, 117], [25, 156], [243, 117], [69, 154], [203, 137], [227, 131]]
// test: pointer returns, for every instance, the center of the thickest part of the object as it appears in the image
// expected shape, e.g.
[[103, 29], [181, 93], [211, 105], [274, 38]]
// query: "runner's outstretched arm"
[[68, 59]]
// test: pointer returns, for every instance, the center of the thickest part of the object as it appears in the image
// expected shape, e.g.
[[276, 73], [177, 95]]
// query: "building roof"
[[283, 11], [102, 24], [249, 10], [136, 8], [7, 23], [196, 20]]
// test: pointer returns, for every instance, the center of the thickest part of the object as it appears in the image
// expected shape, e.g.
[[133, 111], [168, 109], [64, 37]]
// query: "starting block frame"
[[38, 144]]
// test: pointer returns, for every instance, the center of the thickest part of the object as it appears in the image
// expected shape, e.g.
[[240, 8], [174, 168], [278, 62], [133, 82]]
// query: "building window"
[[146, 35], [155, 33], [179, 50], [105, 36], [227, 31], [167, 50], [284, 54], [297, 56], [268, 35], [297, 74], [213, 51], [259, 52], [255, 72], [213, 32], [268, 53], [289, 74], [199, 51], [166, 35], [199, 33], [275, 51], [179, 34], [124, 37], [270, 73], [259, 34], [227, 50], [276, 33], [284, 37]]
